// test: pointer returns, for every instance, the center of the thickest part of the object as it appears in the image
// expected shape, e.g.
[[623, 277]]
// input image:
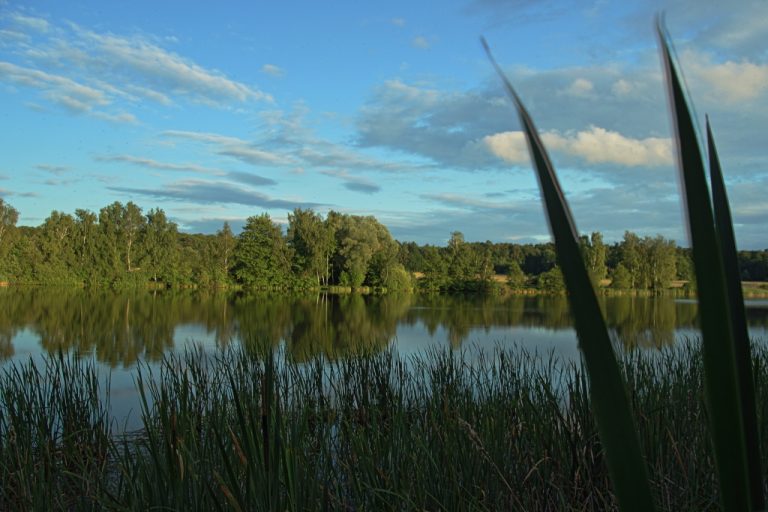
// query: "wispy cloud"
[[154, 164], [272, 70], [420, 42], [7, 193], [215, 192], [236, 176], [474, 204], [58, 89], [234, 147], [83, 70], [248, 178], [139, 60], [58, 170], [30, 22], [354, 183]]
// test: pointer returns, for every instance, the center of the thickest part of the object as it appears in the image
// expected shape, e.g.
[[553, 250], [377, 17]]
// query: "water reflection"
[[119, 329]]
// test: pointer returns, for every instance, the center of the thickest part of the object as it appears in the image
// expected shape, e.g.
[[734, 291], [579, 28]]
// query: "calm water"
[[121, 330]]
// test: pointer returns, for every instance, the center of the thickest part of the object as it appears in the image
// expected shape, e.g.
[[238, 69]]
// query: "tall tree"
[[85, 239], [461, 265], [595, 253], [56, 237], [160, 246], [632, 259], [121, 227], [358, 239], [660, 258], [225, 247], [8, 218], [312, 242], [262, 257]]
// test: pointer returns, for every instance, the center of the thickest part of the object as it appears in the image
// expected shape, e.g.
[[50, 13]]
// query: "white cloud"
[[272, 70], [509, 146], [30, 22], [580, 87], [595, 145], [68, 94], [735, 82], [139, 60], [234, 147], [621, 87], [132, 68], [122, 118], [398, 22], [420, 42]]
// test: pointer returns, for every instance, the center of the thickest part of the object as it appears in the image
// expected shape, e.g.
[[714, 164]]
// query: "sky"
[[217, 111]]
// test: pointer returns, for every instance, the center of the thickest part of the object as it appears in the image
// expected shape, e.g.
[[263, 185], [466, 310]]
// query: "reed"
[[727, 376], [444, 430]]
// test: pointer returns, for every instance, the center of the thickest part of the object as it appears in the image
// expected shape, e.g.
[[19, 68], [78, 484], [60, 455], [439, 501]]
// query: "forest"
[[122, 246]]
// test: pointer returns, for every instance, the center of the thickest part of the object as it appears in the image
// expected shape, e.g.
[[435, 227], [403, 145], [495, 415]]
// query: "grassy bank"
[[442, 431]]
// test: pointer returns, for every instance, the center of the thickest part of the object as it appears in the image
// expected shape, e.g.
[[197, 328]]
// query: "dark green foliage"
[[504, 430], [94, 250], [551, 281], [741, 342], [313, 242], [621, 279], [608, 397], [707, 234], [262, 258]]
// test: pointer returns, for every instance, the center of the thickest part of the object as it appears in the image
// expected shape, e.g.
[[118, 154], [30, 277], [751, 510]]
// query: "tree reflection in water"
[[121, 328]]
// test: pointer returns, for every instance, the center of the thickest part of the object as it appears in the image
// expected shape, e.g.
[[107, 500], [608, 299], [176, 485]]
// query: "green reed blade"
[[607, 390], [742, 349], [719, 363]]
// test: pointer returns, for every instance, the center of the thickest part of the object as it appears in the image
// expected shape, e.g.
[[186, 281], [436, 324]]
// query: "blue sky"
[[219, 111]]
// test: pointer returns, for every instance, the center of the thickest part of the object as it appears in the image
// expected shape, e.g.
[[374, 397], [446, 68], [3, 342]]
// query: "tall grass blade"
[[607, 391], [742, 349], [721, 385]]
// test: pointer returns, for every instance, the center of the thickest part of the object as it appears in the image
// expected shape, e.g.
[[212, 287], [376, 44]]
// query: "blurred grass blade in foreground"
[[607, 390], [721, 386], [742, 349]]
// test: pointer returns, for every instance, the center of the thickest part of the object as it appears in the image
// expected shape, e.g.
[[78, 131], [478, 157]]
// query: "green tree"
[[551, 281], [659, 260], [632, 259], [435, 271], [621, 279], [365, 249], [8, 218], [595, 253], [516, 279], [160, 250], [55, 239], [121, 227], [262, 257], [85, 240], [313, 242], [461, 267], [225, 244]]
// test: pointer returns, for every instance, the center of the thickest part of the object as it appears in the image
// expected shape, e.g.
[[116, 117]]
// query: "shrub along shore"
[[508, 430], [122, 246]]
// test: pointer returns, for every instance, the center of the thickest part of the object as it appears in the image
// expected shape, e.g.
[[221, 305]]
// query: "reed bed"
[[469, 430]]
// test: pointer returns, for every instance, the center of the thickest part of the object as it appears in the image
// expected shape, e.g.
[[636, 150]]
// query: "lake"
[[121, 330]]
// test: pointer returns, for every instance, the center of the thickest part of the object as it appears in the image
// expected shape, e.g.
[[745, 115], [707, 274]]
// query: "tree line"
[[123, 246]]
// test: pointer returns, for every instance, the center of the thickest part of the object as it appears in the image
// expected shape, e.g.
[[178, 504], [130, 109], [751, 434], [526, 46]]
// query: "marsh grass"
[[728, 379], [469, 430]]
